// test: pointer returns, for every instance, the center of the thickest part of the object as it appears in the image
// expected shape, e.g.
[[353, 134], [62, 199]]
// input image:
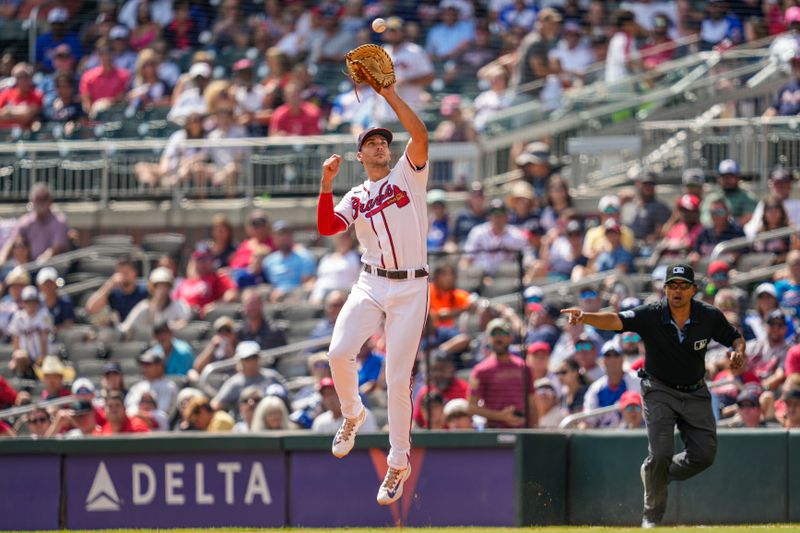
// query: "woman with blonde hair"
[[148, 89], [271, 415]]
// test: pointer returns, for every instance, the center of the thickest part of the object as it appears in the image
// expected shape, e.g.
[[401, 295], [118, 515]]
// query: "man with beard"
[[646, 216], [443, 381], [501, 386], [742, 203]]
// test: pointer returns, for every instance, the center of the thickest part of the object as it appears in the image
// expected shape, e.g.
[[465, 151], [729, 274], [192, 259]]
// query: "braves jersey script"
[[390, 217]]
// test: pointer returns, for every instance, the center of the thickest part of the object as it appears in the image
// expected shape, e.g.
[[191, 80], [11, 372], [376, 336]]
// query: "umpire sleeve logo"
[[699, 345], [627, 314]]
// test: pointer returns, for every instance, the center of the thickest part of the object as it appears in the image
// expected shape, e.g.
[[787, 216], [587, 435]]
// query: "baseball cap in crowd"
[[629, 398], [247, 349], [681, 272], [498, 324], [57, 15], [629, 303], [766, 288], [324, 383], [522, 189], [30, 294], [610, 346], [81, 406], [201, 251], [82, 387], [200, 70], [496, 206], [279, 226], [152, 355], [18, 276], [728, 166], [436, 196], [276, 389], [535, 152], [476, 188], [394, 23], [47, 274], [693, 177], [118, 32], [242, 64], [110, 368], [776, 315], [533, 294], [544, 383], [689, 202], [781, 174], [716, 267], [792, 15], [612, 226], [571, 26], [161, 275], [748, 397], [573, 226], [538, 346], [608, 204], [383, 132], [455, 408], [224, 321]]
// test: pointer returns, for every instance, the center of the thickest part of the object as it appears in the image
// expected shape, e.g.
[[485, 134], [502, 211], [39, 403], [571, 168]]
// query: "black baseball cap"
[[681, 271], [383, 132]]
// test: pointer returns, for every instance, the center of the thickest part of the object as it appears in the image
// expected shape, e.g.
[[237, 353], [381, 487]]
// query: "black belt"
[[395, 274], [682, 388]]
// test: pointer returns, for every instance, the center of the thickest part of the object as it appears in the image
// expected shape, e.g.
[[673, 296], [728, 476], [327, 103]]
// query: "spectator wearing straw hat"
[[53, 373], [456, 415]]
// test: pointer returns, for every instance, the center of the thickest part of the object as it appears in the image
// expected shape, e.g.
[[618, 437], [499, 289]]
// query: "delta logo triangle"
[[103, 495]]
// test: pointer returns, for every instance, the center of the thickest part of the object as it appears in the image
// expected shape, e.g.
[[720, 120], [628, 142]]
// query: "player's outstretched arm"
[[327, 222], [418, 144], [609, 321]]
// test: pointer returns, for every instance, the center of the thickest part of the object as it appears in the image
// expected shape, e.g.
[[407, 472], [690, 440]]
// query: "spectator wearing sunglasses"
[[573, 385], [37, 422], [630, 408], [767, 357], [248, 400], [722, 228], [632, 349], [608, 389], [586, 356], [596, 240]]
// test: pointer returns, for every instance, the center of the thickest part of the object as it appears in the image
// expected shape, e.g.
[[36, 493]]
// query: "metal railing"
[[106, 170], [741, 243], [266, 357], [25, 409]]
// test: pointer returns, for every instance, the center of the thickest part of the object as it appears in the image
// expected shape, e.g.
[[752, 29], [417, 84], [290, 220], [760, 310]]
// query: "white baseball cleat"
[[392, 486], [346, 436]]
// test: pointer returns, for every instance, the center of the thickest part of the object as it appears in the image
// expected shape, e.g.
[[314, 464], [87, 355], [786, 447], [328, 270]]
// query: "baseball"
[[379, 25]]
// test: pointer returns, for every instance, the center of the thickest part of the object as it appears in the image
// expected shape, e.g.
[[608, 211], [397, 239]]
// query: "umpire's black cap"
[[383, 132], [681, 271]]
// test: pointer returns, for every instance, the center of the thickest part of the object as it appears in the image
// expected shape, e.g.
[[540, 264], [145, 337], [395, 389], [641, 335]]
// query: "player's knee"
[[398, 384], [704, 458], [660, 460]]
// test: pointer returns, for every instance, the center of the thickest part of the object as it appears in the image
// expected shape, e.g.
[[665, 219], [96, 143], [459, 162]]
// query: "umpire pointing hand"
[[676, 332]]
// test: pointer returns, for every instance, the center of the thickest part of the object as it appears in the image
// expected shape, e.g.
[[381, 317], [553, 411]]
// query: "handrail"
[[25, 409], [745, 242], [577, 417], [266, 356], [94, 249]]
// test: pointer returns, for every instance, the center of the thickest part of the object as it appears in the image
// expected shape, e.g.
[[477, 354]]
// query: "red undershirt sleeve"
[[327, 222]]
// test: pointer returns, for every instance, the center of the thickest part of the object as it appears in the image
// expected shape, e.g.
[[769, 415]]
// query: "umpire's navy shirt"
[[668, 358]]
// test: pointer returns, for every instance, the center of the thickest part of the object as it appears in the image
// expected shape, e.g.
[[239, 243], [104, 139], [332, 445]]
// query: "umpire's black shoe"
[[648, 524]]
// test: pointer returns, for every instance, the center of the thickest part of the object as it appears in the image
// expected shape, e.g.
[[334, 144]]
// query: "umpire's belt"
[[682, 388], [395, 274]]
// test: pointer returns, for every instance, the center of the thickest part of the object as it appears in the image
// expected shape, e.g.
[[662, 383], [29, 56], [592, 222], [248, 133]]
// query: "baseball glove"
[[369, 63]]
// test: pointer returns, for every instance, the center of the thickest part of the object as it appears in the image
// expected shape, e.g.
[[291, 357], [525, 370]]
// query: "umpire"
[[676, 332]]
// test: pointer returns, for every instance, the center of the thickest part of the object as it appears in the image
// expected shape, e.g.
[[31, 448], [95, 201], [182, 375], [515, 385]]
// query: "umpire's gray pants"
[[664, 408]]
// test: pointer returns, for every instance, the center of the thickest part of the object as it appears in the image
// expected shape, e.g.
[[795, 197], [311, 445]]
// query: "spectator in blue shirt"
[[60, 306], [449, 38], [121, 292], [720, 26], [787, 104], [472, 215], [47, 42], [788, 290], [254, 274], [63, 62], [334, 302], [179, 355], [289, 267], [617, 257], [438, 231], [370, 365]]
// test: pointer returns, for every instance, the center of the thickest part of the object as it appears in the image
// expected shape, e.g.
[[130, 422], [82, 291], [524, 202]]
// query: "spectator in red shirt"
[[116, 419], [20, 105], [8, 396], [501, 386], [792, 363], [444, 381], [259, 233], [204, 286], [105, 85], [658, 48], [295, 117]]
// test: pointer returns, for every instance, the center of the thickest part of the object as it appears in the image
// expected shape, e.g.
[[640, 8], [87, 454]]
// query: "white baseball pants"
[[404, 303]]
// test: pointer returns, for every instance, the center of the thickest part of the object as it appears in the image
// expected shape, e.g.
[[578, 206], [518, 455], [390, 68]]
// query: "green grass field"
[[787, 528]]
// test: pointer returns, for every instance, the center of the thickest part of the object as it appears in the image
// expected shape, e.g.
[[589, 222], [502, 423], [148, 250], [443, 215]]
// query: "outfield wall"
[[290, 479]]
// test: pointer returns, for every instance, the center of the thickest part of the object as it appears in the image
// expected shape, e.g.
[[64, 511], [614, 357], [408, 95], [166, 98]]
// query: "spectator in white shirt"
[[330, 420], [339, 269], [571, 56], [496, 98], [623, 56], [151, 363], [30, 328], [158, 307], [780, 187], [493, 242], [548, 404]]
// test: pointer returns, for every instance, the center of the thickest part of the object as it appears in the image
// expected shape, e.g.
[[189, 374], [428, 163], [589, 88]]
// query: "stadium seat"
[[292, 365], [193, 331], [232, 310], [300, 311], [98, 265], [752, 261], [79, 333], [86, 351], [127, 350], [164, 243], [113, 240]]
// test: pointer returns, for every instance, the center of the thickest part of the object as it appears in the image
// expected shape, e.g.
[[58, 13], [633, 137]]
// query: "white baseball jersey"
[[391, 217]]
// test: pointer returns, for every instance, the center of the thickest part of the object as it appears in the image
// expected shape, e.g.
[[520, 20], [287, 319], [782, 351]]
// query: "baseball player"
[[389, 212], [676, 332]]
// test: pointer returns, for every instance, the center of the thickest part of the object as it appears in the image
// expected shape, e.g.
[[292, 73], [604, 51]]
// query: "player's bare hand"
[[736, 359], [331, 167], [574, 316]]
